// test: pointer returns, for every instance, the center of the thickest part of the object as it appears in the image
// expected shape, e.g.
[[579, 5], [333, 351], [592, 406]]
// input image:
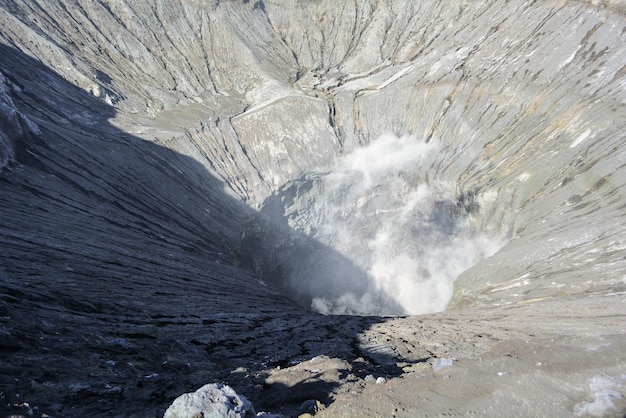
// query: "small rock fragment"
[[113, 390], [441, 363]]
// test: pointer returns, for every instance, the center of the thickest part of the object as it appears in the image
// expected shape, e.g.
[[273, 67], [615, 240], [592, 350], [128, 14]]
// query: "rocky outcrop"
[[141, 140]]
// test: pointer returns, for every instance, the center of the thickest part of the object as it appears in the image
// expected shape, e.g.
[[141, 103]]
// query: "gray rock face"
[[169, 190]]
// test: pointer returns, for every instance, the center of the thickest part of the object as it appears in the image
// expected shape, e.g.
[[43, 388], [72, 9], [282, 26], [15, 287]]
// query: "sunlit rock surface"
[[211, 400], [149, 151]]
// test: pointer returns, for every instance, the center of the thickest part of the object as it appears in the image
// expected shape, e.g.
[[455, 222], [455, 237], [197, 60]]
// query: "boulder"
[[214, 400]]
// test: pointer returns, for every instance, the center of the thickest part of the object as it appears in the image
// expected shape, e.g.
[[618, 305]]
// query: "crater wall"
[[139, 138], [524, 100]]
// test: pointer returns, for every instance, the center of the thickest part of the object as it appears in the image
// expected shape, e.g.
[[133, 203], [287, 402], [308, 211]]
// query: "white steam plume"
[[410, 234]]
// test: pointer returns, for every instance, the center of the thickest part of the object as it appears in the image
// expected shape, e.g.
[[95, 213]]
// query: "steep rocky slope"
[[142, 140]]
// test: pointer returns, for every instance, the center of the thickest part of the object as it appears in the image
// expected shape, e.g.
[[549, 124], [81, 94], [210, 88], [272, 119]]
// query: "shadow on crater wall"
[[118, 287]]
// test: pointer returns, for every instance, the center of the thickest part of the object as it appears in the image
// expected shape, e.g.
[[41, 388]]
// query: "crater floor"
[[160, 160]]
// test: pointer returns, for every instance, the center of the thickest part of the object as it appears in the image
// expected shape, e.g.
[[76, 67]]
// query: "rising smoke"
[[373, 235]]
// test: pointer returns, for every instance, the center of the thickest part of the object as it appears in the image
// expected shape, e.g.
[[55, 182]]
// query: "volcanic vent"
[[177, 173], [376, 234]]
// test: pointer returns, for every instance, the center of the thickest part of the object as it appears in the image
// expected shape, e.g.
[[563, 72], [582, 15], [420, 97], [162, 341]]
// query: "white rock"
[[441, 363], [605, 393], [214, 400]]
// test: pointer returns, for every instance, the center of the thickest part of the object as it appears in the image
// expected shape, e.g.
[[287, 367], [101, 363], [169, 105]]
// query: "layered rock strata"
[[139, 139]]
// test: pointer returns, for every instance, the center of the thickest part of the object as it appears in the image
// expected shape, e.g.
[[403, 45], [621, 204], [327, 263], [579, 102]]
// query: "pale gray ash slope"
[[140, 138]]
